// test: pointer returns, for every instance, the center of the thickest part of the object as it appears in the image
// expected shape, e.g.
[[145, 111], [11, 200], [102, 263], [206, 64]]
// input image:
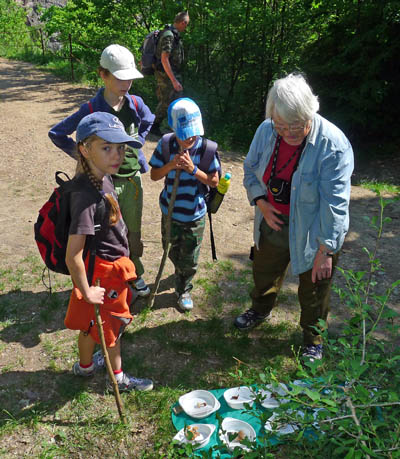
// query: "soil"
[[32, 101]]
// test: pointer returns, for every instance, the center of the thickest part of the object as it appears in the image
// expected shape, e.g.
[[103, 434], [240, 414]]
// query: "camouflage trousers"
[[130, 198], [186, 239], [165, 94]]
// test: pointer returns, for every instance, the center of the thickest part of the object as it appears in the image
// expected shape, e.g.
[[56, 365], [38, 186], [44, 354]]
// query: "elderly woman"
[[297, 175]]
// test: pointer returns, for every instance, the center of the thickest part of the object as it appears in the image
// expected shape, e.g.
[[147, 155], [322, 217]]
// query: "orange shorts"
[[115, 310]]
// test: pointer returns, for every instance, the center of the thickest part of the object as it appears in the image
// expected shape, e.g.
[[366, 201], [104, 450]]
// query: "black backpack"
[[148, 51], [52, 226], [208, 150]]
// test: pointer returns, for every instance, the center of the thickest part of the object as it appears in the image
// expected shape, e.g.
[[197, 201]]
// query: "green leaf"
[[313, 395]]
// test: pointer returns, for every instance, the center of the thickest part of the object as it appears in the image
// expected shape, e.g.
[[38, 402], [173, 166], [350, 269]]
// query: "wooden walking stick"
[[167, 239], [107, 359]]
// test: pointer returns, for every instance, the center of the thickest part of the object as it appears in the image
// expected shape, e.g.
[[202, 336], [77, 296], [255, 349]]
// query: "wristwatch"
[[325, 253], [258, 198]]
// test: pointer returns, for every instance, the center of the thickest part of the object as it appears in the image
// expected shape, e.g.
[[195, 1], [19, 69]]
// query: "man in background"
[[170, 56]]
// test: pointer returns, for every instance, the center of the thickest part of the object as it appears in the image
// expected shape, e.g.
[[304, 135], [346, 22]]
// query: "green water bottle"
[[222, 188]]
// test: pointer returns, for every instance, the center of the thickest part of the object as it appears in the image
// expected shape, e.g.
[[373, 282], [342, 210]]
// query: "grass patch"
[[60, 415]]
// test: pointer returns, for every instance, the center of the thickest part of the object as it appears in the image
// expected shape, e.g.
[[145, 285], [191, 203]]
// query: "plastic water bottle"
[[222, 188]]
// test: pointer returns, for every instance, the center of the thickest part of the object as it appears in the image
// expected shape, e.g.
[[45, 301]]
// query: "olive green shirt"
[[131, 165]]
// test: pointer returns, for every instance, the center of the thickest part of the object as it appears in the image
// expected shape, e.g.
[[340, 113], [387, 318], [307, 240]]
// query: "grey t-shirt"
[[111, 241]]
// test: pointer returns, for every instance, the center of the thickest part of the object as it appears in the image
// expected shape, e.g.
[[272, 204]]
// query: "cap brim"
[[119, 137], [189, 131], [128, 74]]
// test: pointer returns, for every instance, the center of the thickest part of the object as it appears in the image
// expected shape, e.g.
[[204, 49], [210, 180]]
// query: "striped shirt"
[[189, 204]]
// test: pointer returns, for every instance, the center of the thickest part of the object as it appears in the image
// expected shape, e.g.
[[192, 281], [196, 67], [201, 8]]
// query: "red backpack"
[[52, 226]]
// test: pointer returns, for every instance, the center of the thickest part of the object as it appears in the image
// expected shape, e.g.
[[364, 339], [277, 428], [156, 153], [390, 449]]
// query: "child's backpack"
[[52, 226], [208, 150]]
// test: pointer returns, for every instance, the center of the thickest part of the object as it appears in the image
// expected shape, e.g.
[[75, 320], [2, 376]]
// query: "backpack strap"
[[90, 107], [166, 143], [98, 220], [208, 151], [135, 102]]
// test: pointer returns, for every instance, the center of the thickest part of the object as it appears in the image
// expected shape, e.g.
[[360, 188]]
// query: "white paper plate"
[[281, 429], [270, 401], [233, 426], [205, 431], [199, 403], [281, 389], [236, 397]]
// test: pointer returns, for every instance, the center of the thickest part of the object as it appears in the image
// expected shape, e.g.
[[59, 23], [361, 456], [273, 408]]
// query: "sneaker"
[[129, 383], [313, 352], [141, 288], [98, 364], [249, 319], [185, 301]]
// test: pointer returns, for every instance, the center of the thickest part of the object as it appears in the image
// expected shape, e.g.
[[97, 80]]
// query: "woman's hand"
[[322, 268], [270, 214]]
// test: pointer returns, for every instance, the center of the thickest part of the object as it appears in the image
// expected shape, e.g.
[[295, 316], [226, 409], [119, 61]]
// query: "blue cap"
[[106, 126], [184, 118]]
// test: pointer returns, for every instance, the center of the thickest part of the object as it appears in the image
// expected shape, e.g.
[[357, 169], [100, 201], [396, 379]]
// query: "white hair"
[[292, 99]]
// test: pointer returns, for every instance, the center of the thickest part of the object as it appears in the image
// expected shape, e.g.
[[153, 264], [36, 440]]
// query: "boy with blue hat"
[[190, 209]]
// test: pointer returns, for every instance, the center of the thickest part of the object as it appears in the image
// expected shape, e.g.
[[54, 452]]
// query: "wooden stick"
[[107, 359], [171, 205]]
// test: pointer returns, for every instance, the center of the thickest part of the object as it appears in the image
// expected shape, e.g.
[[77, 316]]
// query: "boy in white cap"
[[117, 70], [188, 218]]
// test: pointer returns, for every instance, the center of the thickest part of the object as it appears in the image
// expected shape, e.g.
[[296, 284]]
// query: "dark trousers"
[[270, 264]]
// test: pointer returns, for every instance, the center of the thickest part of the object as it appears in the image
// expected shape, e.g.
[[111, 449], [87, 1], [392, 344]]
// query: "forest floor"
[[31, 101]]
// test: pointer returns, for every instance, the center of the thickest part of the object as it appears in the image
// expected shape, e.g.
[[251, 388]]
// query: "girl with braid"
[[101, 142]]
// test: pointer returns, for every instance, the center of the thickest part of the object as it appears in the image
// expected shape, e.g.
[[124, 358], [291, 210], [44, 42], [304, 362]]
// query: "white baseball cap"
[[120, 62], [184, 117]]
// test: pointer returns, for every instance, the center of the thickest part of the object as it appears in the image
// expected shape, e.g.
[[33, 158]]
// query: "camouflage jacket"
[[170, 42]]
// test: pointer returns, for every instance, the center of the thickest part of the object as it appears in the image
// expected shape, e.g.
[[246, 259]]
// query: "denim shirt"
[[61, 132], [320, 189]]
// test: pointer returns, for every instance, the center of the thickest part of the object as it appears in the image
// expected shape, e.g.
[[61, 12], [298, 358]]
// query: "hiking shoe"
[[185, 302], [141, 288], [249, 319], [313, 352], [129, 383], [98, 364]]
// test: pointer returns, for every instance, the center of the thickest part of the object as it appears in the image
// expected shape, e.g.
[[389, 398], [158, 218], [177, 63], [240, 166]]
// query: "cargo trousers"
[[130, 198], [186, 239], [270, 263]]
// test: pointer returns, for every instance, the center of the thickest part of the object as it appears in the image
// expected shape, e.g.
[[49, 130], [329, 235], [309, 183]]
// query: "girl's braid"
[[84, 167]]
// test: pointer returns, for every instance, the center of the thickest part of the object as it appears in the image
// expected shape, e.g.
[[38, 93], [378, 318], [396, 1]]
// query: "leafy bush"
[[13, 29], [348, 405]]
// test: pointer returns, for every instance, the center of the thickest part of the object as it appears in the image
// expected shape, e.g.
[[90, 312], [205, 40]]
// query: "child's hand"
[[95, 295], [185, 161]]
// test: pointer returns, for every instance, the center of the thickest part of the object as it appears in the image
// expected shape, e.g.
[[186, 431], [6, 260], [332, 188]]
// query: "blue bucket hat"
[[106, 126], [184, 118]]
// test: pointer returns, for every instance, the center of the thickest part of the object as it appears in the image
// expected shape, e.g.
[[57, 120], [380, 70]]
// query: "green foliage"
[[348, 405], [234, 51], [14, 32]]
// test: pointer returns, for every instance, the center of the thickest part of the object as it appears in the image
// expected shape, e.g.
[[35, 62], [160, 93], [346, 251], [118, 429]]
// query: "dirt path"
[[32, 101]]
